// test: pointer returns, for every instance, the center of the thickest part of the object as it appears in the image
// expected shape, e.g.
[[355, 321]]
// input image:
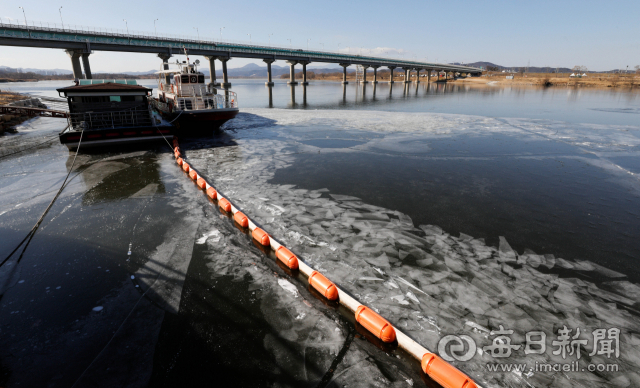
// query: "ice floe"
[[424, 280]]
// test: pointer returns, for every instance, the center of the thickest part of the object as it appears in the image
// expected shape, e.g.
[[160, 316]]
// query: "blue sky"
[[599, 35]]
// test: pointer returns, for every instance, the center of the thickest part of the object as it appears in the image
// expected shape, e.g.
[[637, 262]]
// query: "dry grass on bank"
[[7, 97], [563, 79]]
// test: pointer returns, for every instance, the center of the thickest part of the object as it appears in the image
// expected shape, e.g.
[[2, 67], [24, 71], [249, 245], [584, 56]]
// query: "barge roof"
[[106, 87]]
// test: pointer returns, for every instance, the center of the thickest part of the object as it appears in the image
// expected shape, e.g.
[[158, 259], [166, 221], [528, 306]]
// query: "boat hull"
[[195, 122], [115, 136], [200, 122]]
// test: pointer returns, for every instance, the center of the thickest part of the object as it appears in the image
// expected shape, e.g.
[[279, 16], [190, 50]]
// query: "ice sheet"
[[445, 284]]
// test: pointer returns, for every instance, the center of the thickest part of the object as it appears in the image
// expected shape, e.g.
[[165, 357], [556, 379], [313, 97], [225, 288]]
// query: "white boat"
[[184, 96]]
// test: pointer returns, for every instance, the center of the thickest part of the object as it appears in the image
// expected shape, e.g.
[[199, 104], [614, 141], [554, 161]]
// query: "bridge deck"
[[97, 39]]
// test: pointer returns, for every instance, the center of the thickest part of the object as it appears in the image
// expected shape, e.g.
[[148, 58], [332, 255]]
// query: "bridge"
[[79, 42]]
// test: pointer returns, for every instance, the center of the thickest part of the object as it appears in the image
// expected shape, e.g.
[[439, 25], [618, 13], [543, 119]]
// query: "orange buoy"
[[377, 325], [193, 174], [323, 285], [212, 193], [288, 258], [201, 183], [225, 205], [179, 161], [185, 167], [261, 236], [241, 219], [444, 373]]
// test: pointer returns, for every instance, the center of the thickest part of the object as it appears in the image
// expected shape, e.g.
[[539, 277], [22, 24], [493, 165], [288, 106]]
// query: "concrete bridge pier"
[[407, 74], [429, 75], [212, 71], [304, 73], [225, 76], [364, 74], [391, 68], [86, 66], [375, 74], [165, 66], [344, 73], [75, 63], [269, 74], [418, 76], [292, 72]]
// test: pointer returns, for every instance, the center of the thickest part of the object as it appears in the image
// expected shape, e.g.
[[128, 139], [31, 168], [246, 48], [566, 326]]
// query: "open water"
[[449, 209]]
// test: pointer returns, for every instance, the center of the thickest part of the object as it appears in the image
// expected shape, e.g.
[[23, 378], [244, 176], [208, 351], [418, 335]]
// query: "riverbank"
[[7, 121], [627, 81]]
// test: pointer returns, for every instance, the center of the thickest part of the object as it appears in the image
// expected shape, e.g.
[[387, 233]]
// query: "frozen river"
[[453, 211]]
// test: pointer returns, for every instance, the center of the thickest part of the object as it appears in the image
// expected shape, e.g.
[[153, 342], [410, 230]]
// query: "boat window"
[[188, 104], [201, 79], [94, 99], [128, 98], [185, 79], [114, 98]]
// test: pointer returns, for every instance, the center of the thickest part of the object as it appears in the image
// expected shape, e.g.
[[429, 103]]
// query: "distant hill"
[[531, 69], [36, 71], [253, 70]]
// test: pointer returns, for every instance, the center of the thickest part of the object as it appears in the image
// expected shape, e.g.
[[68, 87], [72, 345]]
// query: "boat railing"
[[192, 90], [216, 101], [136, 117]]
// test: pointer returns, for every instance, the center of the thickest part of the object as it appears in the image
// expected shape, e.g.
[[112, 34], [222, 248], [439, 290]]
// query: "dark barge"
[[111, 112]]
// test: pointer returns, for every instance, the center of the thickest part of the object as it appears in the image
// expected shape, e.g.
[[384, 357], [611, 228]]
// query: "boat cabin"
[[186, 81], [107, 103], [105, 96]]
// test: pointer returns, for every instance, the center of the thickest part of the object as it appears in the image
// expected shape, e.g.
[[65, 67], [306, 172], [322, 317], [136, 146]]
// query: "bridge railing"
[[74, 33]]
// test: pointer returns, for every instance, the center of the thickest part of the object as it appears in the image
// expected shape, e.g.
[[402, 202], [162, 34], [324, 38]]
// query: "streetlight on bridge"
[[249, 38], [25, 16], [270, 39], [154, 26], [62, 21], [221, 28], [290, 44], [126, 24], [198, 31]]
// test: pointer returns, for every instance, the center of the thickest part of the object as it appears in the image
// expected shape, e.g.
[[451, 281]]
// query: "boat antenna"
[[185, 53]]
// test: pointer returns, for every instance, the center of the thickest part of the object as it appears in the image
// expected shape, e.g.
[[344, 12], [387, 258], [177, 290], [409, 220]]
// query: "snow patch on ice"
[[214, 235], [288, 286]]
